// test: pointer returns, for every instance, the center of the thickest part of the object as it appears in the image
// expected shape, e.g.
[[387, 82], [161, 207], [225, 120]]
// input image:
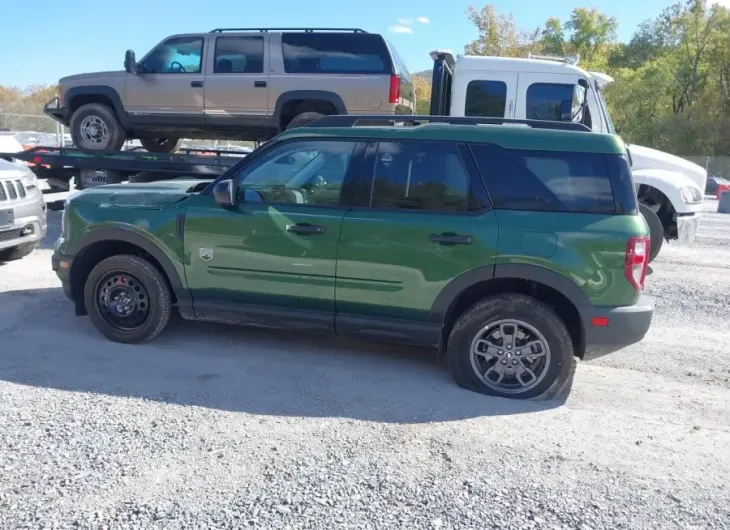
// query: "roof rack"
[[306, 30], [349, 120]]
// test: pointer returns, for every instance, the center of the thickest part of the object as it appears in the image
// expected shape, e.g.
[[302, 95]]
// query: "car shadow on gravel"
[[269, 372]]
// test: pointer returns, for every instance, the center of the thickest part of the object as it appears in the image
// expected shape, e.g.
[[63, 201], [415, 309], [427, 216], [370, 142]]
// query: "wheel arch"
[[560, 292], [298, 97], [77, 96], [100, 244]]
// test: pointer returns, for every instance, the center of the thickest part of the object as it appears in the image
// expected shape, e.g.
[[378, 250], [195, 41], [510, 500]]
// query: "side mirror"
[[130, 62], [224, 193], [566, 110]]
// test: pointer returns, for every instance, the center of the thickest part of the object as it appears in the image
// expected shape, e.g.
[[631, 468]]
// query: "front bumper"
[[58, 113], [61, 265], [687, 226], [608, 329], [29, 221]]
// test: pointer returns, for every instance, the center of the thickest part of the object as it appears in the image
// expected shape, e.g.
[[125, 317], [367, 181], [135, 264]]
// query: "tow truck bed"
[[58, 165]]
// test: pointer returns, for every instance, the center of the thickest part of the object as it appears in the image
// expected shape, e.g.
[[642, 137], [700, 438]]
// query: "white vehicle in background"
[[670, 189]]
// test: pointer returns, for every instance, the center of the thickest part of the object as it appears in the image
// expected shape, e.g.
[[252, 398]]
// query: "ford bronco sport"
[[512, 250], [243, 84]]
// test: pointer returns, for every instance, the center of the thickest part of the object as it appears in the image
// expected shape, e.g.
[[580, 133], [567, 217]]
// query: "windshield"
[[604, 109]]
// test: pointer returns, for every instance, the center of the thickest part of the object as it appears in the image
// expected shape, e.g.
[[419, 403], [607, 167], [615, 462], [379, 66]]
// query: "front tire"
[[656, 230], [16, 253], [94, 127], [160, 145], [512, 346], [128, 299]]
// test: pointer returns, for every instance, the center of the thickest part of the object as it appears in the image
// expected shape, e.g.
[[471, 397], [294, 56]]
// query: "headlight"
[[690, 195], [30, 180]]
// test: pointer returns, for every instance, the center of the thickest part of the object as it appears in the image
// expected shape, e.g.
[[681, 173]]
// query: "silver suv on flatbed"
[[243, 84], [22, 211]]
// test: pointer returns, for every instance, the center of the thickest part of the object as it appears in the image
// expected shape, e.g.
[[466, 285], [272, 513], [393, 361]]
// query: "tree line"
[[672, 79]]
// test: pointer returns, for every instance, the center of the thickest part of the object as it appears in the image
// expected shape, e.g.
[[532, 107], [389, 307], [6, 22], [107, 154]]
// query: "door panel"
[[236, 81], [484, 94], [168, 88]]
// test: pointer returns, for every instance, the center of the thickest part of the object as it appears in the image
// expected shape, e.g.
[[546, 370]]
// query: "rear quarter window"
[[335, 53], [545, 180]]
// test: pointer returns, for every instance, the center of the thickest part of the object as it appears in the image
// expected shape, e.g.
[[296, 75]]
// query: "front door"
[[422, 221], [484, 94], [167, 90], [271, 259], [236, 82]]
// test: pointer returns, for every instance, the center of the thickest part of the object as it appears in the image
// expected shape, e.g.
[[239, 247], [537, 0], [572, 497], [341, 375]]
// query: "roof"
[[507, 136], [514, 64]]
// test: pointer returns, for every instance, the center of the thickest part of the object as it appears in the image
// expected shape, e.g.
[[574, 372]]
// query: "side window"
[[553, 102], [487, 99], [181, 55], [298, 172], [239, 55], [544, 180], [419, 176], [334, 53]]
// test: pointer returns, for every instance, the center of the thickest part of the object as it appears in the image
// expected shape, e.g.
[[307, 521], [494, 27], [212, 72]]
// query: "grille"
[[7, 235], [10, 191]]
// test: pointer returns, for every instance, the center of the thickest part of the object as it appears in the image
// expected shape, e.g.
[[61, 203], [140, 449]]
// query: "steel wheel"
[[510, 356], [123, 301], [94, 131]]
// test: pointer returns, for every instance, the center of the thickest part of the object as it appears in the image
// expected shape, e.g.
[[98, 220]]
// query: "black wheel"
[[160, 145], [94, 127], [303, 119], [15, 253], [656, 230], [127, 299], [513, 346]]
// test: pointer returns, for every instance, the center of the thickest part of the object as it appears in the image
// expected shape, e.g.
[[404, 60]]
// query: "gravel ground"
[[217, 427]]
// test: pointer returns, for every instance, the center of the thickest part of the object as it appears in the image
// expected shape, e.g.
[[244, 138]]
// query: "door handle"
[[259, 84], [196, 84], [450, 239], [305, 229]]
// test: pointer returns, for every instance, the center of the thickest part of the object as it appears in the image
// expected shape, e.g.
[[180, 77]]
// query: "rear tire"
[[303, 119], [536, 363], [128, 300], [656, 230], [160, 145], [94, 127], [16, 253]]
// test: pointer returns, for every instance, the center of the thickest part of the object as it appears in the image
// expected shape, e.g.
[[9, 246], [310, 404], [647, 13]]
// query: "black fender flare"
[[97, 90], [184, 300], [322, 95], [518, 271]]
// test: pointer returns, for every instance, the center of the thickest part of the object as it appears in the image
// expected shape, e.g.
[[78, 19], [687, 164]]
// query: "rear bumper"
[[626, 325]]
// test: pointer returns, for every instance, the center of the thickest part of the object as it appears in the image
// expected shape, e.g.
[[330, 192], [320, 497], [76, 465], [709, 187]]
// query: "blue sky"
[[52, 38]]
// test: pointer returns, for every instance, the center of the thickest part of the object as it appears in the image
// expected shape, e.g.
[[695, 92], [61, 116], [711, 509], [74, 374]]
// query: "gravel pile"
[[217, 427]]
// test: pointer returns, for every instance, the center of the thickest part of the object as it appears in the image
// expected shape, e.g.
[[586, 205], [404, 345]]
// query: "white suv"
[[22, 211]]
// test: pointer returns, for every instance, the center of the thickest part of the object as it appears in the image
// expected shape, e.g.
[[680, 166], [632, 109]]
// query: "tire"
[[95, 114], [556, 364], [16, 253], [160, 145], [145, 286], [656, 230], [303, 119]]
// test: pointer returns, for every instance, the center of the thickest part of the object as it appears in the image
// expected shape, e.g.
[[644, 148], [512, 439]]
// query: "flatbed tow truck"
[[59, 165]]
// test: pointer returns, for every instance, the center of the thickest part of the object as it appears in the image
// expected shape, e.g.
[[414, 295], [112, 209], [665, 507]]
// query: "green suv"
[[511, 248]]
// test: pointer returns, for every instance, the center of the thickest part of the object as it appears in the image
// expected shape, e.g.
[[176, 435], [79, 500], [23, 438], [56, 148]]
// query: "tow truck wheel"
[[160, 145], [656, 230], [94, 127]]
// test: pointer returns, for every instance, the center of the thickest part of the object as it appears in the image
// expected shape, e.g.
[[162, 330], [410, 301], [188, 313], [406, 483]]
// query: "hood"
[[91, 76], [10, 170], [647, 158], [154, 195]]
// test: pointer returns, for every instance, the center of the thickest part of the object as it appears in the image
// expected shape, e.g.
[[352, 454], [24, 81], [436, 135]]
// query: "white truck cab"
[[670, 189]]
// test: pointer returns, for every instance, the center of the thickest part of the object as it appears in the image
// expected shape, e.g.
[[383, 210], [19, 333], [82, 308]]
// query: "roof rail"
[[306, 30], [570, 59], [350, 120]]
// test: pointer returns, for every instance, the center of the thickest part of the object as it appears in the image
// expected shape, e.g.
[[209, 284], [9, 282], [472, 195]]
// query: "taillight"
[[394, 89], [637, 259]]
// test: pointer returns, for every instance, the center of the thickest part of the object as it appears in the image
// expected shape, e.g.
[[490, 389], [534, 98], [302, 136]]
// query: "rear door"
[[484, 94], [236, 81], [421, 218]]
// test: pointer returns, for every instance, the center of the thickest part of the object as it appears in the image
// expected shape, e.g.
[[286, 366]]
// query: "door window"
[[180, 55], [419, 176], [299, 172], [239, 55], [554, 102], [487, 99]]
